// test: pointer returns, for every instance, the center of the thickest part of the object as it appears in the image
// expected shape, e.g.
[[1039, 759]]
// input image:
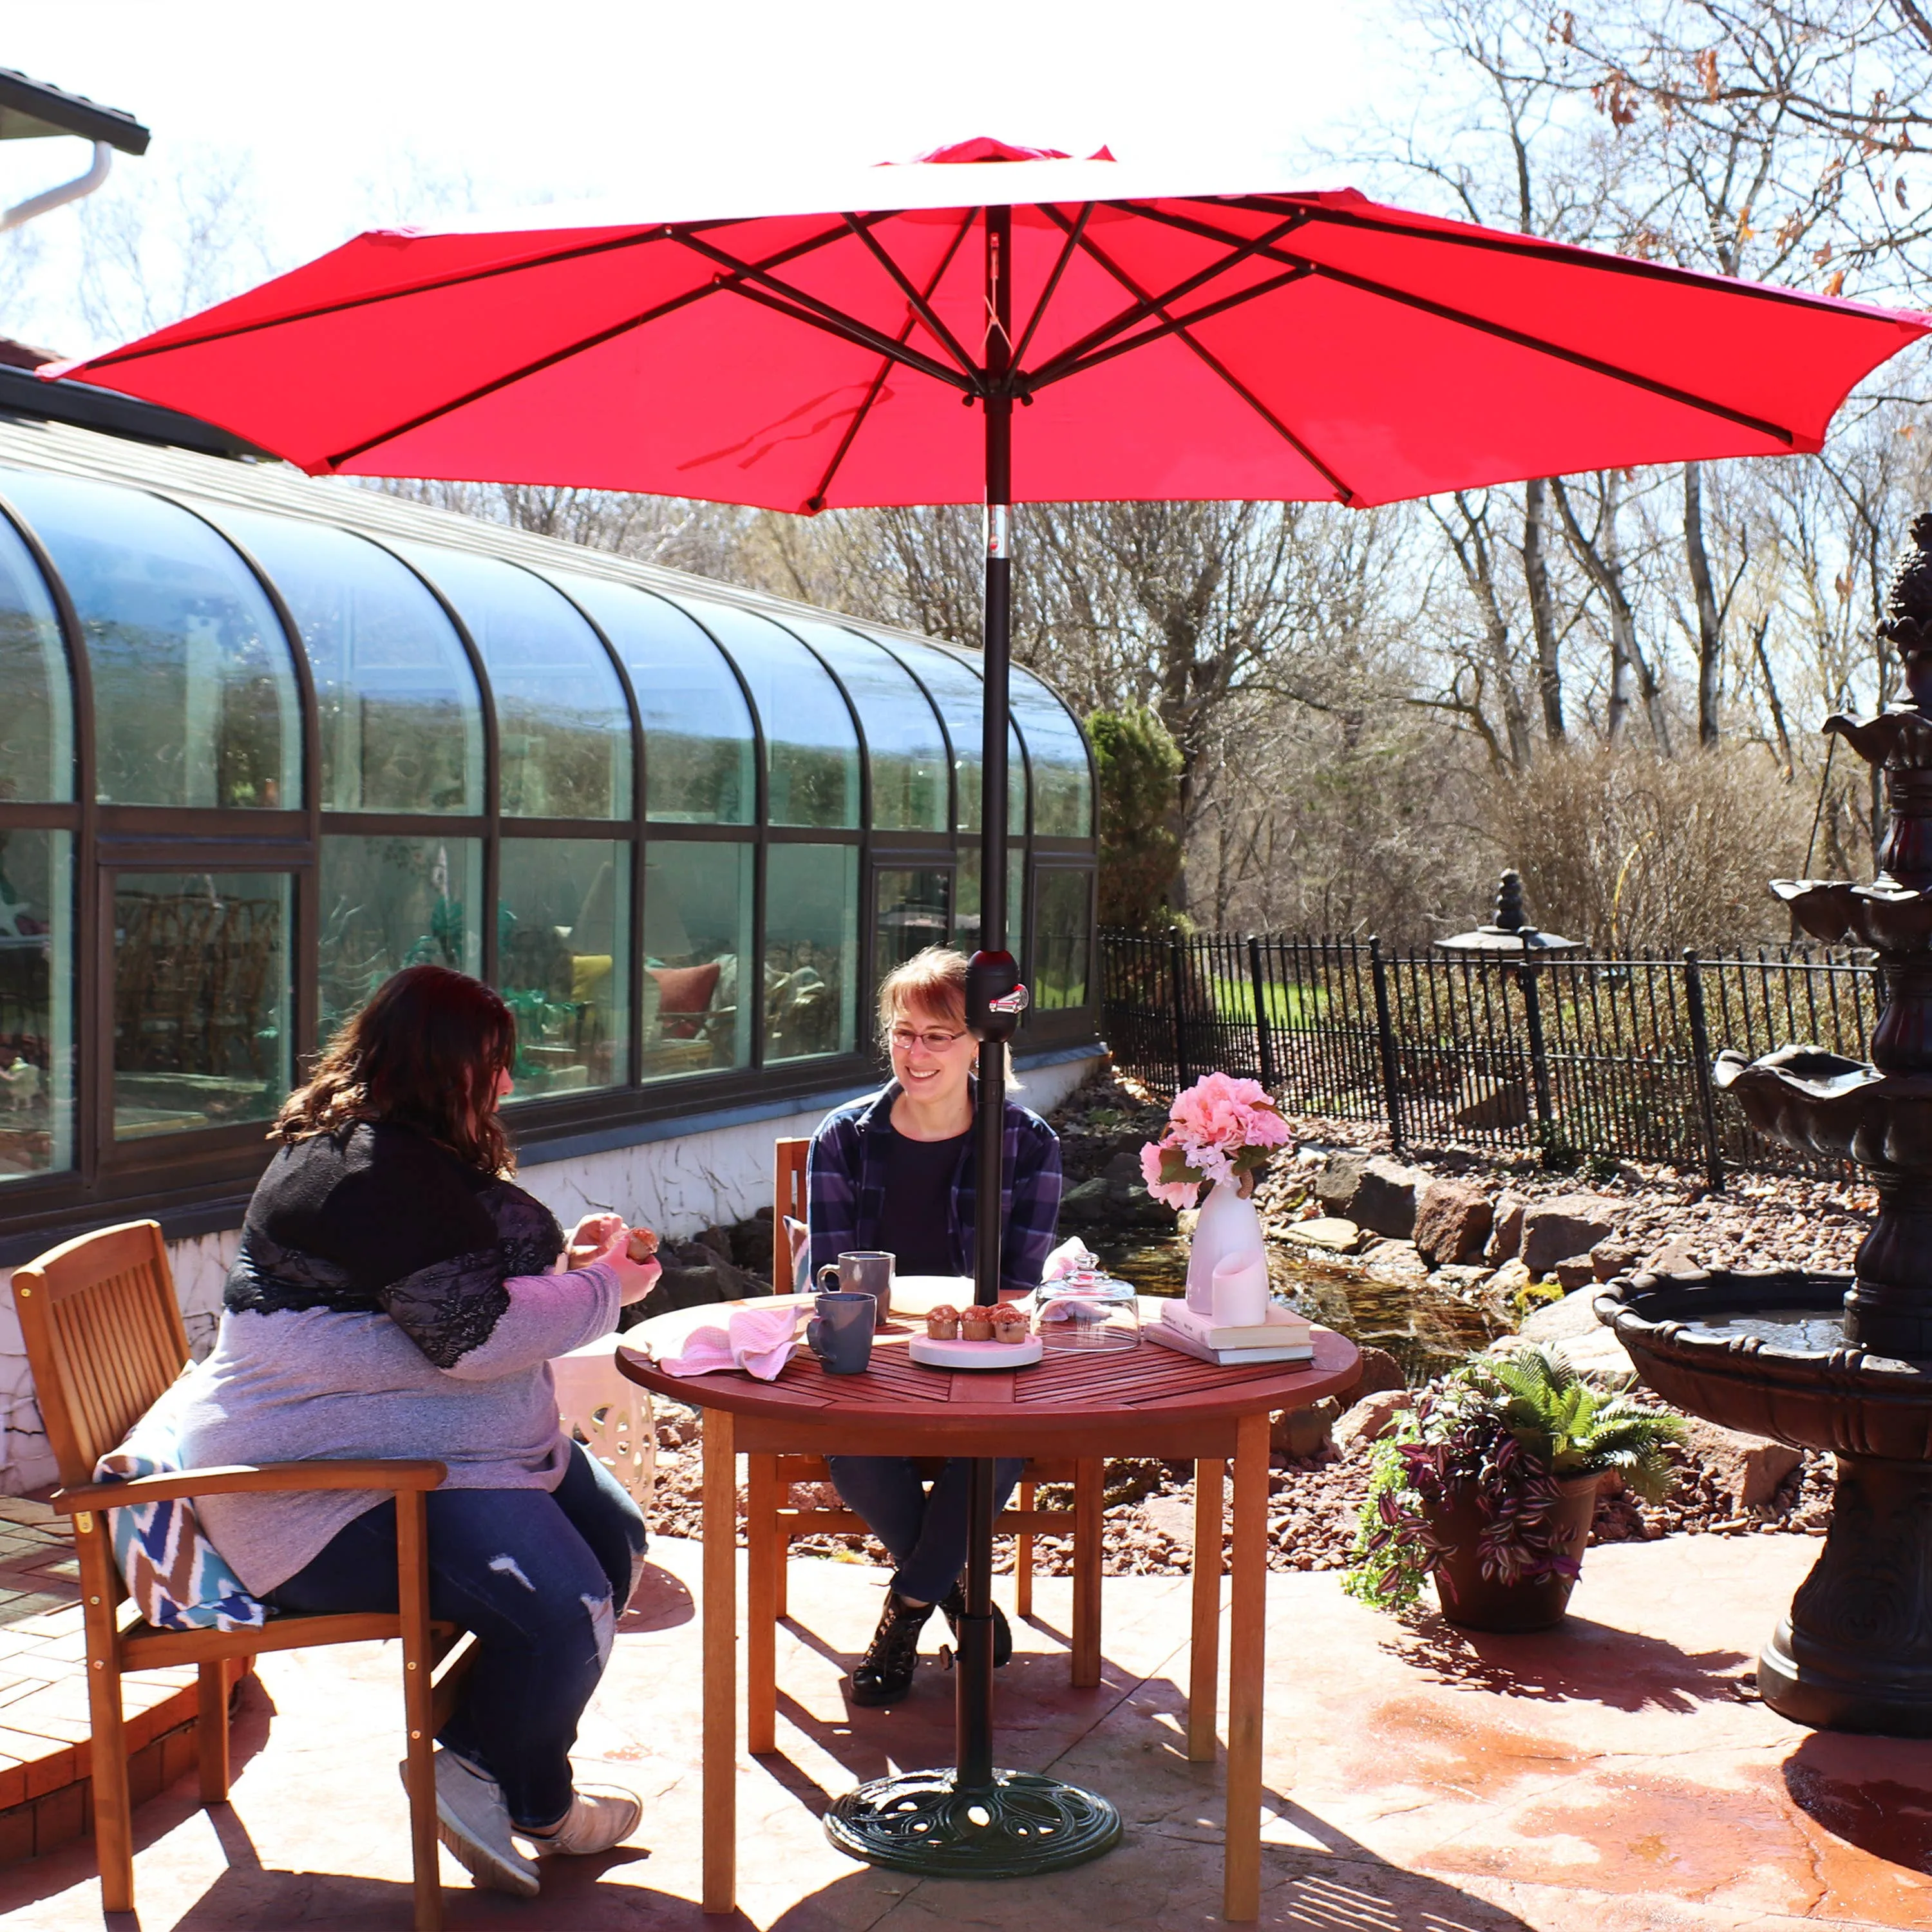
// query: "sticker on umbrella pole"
[[999, 540]]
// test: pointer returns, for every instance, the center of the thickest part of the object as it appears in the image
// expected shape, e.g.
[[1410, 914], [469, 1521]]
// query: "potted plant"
[[1488, 1485]]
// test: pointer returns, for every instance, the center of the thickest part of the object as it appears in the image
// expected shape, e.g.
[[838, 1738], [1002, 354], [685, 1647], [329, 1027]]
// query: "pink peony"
[[1154, 1159]]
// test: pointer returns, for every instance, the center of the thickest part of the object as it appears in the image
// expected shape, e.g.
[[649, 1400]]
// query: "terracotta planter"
[[1472, 1601]]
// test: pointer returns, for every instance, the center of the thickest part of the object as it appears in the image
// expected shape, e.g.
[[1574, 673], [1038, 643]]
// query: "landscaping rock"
[[1581, 1272], [1395, 1261], [1509, 1280], [1560, 1229], [1452, 1221], [1305, 1431], [1747, 1468], [1505, 1241], [1340, 1175], [1372, 1190], [1575, 1315], [1612, 1257], [1371, 1419], [1598, 1356], [1336, 1236], [1495, 1105], [1676, 1256], [1380, 1371]]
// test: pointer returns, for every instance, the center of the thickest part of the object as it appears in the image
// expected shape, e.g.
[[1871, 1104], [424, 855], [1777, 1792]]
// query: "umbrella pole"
[[976, 1822]]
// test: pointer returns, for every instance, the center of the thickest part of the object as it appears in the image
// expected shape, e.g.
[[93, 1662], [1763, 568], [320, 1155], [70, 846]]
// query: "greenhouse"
[[264, 740]]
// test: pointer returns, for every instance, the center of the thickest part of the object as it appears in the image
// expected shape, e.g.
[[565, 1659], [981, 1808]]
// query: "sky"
[[329, 118]]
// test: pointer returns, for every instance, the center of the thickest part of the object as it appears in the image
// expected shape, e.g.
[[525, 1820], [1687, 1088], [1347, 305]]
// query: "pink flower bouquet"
[[1218, 1129]]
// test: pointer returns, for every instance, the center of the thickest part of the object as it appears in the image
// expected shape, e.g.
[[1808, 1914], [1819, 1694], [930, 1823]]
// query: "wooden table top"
[[1069, 1390]]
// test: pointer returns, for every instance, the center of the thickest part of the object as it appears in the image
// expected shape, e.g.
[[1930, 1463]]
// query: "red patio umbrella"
[[823, 342]]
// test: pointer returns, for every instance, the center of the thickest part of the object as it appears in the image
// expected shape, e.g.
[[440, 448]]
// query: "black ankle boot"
[[954, 1604], [884, 1674]]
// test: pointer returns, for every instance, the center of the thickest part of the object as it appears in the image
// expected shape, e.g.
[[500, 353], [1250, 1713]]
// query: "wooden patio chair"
[[772, 1519], [104, 1338]]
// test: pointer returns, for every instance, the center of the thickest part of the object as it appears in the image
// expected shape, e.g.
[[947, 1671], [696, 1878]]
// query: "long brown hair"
[[426, 1050]]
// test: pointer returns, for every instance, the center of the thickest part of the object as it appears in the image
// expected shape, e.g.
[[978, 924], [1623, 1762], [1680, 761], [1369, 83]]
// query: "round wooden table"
[[1149, 1401]]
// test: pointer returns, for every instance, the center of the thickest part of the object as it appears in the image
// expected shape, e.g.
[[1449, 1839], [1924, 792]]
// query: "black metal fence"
[[1574, 1057]]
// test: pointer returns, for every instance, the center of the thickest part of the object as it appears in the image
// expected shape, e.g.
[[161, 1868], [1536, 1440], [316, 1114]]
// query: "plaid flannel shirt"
[[845, 1181]]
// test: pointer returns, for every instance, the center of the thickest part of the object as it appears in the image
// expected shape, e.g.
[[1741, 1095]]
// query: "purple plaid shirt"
[[845, 1179]]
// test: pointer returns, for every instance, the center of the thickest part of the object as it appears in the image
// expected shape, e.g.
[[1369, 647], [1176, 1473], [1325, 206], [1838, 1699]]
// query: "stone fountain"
[[1831, 1361]]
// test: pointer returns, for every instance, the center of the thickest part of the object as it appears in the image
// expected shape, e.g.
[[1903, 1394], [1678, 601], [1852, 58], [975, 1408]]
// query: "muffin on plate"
[[942, 1323], [1009, 1322], [975, 1323]]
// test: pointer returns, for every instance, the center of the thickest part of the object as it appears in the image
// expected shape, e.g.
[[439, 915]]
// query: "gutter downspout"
[[49, 199]]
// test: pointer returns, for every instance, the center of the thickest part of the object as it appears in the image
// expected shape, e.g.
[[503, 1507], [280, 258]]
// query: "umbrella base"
[[920, 1822]]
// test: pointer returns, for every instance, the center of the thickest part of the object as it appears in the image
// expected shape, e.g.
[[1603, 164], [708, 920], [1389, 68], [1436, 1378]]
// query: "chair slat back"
[[104, 1338], [788, 1197]]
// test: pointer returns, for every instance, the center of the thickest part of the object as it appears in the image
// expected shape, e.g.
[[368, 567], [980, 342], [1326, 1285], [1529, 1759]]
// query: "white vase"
[[1226, 1226]]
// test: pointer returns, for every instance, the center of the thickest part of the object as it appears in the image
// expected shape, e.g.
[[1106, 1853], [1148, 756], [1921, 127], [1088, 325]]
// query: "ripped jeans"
[[540, 1578]]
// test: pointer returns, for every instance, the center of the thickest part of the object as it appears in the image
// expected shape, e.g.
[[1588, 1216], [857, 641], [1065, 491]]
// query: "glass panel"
[[811, 750], [1062, 804], [201, 993], [563, 961], [812, 950], [36, 1002], [1060, 944], [966, 908], [194, 696], [698, 930], [699, 750], [910, 911], [563, 731], [36, 694], [402, 727], [389, 903], [955, 689], [902, 736]]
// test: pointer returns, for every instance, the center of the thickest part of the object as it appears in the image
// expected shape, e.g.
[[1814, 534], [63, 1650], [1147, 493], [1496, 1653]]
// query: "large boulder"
[[1746, 1468], [1339, 1175], [1505, 1241], [1380, 1372], [1372, 1191], [1371, 1418], [1562, 1321], [1452, 1221], [1561, 1228], [1495, 1106]]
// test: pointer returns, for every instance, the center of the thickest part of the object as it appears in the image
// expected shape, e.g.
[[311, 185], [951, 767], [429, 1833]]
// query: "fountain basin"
[[1884, 916], [1766, 1354], [1838, 1109]]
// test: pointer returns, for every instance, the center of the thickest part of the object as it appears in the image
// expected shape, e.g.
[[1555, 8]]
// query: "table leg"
[[764, 1559], [721, 1663], [1204, 1653], [1246, 1666], [1089, 1487]]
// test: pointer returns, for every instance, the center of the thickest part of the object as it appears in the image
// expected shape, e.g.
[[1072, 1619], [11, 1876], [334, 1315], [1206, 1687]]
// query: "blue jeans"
[[924, 1531], [540, 1577]]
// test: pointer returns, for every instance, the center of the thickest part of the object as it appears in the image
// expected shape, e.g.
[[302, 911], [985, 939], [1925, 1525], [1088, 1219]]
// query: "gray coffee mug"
[[862, 1271], [841, 1334]]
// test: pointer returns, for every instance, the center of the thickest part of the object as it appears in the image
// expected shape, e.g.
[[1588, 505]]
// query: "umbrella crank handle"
[[995, 998]]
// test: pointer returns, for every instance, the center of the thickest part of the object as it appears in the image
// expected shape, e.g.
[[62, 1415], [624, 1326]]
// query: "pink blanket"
[[758, 1340]]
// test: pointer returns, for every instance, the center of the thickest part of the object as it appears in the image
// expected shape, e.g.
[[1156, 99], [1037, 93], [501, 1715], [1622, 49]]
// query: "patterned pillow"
[[175, 1575]]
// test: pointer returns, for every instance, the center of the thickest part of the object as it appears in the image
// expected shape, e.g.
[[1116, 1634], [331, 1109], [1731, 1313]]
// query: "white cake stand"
[[931, 1354]]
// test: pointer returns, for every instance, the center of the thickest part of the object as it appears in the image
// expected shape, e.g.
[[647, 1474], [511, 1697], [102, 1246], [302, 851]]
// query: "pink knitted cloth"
[[758, 1340]]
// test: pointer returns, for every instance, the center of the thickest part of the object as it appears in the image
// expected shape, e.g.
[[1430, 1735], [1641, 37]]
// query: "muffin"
[[643, 1244], [1009, 1322], [942, 1323], [975, 1323]]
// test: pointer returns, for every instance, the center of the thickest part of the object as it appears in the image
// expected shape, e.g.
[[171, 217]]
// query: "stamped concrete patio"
[[1615, 1776]]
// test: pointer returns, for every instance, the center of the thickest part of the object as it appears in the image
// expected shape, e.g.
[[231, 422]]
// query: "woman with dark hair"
[[394, 1297]]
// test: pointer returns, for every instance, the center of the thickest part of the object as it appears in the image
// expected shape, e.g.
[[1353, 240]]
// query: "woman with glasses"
[[894, 1170]]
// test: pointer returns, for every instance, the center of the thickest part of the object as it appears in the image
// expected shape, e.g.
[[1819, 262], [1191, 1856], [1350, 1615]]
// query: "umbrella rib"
[[581, 345], [1227, 375], [816, 501], [1060, 367], [1242, 247], [1520, 338], [922, 304], [1067, 248], [136, 352], [802, 307]]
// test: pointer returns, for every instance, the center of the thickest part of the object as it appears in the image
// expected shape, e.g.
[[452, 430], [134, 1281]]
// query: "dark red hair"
[[426, 1050]]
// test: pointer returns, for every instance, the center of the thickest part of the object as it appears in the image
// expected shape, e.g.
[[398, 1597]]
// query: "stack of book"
[[1283, 1337]]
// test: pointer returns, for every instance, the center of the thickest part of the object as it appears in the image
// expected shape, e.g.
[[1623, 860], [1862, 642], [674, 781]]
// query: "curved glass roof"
[[563, 729], [1062, 792], [194, 690], [699, 753], [36, 694], [811, 746], [402, 724], [957, 691], [905, 747]]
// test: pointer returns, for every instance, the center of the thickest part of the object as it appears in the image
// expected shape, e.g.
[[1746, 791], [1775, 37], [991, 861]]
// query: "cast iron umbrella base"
[[926, 1821]]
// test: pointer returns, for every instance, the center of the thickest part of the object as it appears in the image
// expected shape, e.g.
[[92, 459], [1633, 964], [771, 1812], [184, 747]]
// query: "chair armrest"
[[243, 1478]]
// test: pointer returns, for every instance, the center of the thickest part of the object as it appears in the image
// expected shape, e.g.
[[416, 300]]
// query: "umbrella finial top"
[[1907, 627], [985, 148]]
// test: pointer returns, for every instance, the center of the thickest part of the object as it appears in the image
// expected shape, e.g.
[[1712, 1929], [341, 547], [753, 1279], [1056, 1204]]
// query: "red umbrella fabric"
[[1170, 341]]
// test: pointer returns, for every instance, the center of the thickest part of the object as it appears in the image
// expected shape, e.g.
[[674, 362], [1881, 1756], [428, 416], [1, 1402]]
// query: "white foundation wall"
[[677, 1185]]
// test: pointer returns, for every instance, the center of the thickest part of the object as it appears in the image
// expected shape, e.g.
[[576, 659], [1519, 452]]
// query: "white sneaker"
[[473, 1821], [601, 1815]]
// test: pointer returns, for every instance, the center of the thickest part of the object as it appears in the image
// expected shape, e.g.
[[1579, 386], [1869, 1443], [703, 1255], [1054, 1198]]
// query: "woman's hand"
[[635, 1279], [590, 1237]]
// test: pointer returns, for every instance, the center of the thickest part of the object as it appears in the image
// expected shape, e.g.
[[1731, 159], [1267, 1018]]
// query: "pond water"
[[1426, 1329]]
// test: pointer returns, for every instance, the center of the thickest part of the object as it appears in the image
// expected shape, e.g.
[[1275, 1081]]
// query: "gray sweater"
[[387, 1301]]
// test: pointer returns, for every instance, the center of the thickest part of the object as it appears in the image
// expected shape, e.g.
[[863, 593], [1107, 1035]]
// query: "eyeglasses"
[[904, 1039]]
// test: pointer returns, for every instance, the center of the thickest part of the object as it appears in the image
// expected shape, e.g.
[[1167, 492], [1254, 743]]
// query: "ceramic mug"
[[840, 1334], [862, 1271]]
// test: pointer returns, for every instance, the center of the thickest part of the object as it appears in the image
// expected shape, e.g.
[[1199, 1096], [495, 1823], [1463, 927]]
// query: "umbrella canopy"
[[1168, 339]]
